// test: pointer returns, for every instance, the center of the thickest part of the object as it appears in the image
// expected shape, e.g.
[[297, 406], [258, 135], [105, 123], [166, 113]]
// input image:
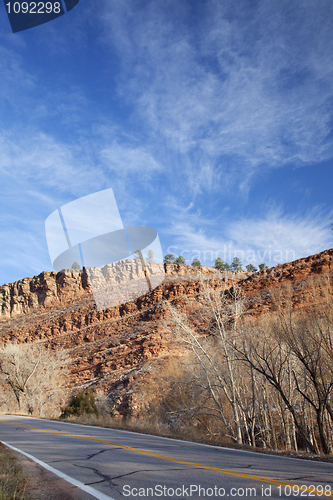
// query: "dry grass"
[[13, 482], [135, 425], [143, 427]]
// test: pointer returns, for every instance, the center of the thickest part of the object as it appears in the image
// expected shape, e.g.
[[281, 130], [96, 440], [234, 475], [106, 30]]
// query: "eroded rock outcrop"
[[45, 291], [50, 290]]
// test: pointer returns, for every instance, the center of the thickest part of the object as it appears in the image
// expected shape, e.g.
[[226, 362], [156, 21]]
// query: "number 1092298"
[[34, 8]]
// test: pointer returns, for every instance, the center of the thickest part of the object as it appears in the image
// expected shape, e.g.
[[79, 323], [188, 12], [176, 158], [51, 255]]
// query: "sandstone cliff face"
[[257, 287], [47, 290], [116, 348], [50, 290]]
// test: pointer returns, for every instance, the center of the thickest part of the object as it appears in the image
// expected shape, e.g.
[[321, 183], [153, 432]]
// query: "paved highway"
[[106, 463]]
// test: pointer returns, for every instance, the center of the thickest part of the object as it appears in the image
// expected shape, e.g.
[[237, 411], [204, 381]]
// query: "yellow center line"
[[182, 462]]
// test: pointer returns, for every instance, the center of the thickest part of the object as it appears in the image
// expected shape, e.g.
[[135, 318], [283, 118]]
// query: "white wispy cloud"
[[287, 235], [77, 166], [37, 157], [241, 89], [275, 237], [126, 159], [16, 81]]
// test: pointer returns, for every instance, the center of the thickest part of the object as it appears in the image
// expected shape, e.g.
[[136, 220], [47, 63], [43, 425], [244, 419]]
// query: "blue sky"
[[211, 120]]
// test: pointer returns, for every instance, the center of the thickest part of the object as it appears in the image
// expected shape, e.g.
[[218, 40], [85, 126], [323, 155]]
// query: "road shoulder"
[[44, 484]]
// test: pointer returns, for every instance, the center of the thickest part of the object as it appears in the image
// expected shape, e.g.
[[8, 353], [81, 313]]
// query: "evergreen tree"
[[76, 266], [150, 256], [196, 262], [263, 267], [81, 404], [138, 255], [180, 260], [236, 264], [169, 258], [251, 268], [219, 264]]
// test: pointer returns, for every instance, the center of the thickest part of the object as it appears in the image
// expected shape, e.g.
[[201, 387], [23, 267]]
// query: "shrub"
[[81, 404]]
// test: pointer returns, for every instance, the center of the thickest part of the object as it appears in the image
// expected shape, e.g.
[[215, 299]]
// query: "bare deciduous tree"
[[310, 340], [34, 377], [268, 380], [293, 351], [209, 329]]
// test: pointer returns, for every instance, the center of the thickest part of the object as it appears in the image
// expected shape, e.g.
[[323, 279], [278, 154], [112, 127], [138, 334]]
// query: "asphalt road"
[[106, 463]]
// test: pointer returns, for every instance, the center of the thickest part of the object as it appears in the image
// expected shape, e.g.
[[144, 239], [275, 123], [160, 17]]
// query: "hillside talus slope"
[[114, 350]]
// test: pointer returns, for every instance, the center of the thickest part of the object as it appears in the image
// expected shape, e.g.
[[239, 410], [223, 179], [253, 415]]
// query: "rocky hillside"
[[115, 349]]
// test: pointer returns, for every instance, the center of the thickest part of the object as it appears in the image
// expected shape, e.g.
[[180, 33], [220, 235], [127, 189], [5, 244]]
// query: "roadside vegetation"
[[261, 382], [13, 481], [253, 383], [265, 382]]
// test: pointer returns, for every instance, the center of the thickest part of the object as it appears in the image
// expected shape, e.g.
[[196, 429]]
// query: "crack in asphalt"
[[59, 461], [97, 453], [104, 477], [299, 477], [116, 477], [148, 470], [87, 458], [109, 479]]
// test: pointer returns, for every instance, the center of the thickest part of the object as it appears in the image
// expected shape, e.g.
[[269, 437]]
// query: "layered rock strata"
[[116, 348]]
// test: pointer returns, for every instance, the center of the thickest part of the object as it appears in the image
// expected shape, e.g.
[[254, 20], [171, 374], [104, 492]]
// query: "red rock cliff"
[[113, 347]]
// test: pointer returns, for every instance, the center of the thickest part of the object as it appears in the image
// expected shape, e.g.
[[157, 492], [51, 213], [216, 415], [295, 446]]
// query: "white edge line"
[[88, 489], [179, 441]]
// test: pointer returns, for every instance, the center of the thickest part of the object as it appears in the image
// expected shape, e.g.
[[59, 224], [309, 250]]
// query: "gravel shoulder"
[[45, 485]]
